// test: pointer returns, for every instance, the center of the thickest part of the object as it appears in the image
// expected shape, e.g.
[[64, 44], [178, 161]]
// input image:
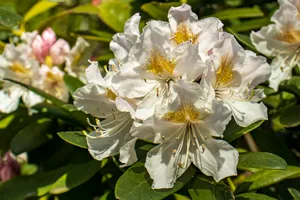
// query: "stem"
[[251, 143]]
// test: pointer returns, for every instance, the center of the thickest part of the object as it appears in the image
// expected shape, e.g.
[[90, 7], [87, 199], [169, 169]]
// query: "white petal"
[[92, 99], [125, 106], [218, 159], [123, 42], [94, 76], [59, 51], [127, 153], [246, 113], [30, 99], [286, 14], [145, 131], [10, 101], [181, 14], [163, 164]]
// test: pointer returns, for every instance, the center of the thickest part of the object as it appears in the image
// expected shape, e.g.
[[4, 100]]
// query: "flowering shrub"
[[156, 100]]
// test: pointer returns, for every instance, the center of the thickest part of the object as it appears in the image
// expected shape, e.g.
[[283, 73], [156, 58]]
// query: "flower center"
[[111, 95], [54, 84], [289, 35], [225, 75], [18, 68], [159, 64], [184, 34], [186, 113]]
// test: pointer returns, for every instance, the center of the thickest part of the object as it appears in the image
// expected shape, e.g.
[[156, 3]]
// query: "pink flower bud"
[[39, 48], [9, 167], [59, 51], [49, 37]]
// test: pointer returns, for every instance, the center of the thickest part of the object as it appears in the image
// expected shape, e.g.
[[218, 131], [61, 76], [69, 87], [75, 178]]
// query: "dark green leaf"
[[264, 178], [9, 19], [295, 193], [244, 39], [135, 184], [76, 138], [115, 14], [72, 83], [56, 181], [49, 97], [250, 24], [32, 136], [253, 196], [239, 13], [234, 131], [291, 116], [205, 188], [158, 10], [261, 160]]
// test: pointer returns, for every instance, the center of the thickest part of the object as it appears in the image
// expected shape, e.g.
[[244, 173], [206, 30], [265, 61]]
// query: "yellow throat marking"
[[20, 69], [184, 34], [159, 64], [225, 75], [111, 95], [186, 113], [289, 35]]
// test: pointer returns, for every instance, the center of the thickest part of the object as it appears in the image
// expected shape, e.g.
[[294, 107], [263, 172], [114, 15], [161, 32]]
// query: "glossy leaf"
[[56, 181], [234, 131], [158, 10], [251, 24], [9, 19], [262, 160], [115, 14], [295, 193], [72, 83], [239, 13], [101, 36], [39, 8], [205, 188], [135, 184], [253, 196], [76, 138], [31, 136], [291, 116], [265, 178], [49, 97]]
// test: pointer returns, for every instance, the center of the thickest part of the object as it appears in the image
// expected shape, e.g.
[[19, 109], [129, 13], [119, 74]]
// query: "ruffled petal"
[[127, 153], [10, 101]]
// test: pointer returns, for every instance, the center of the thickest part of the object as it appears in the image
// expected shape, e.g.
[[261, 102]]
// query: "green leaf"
[[262, 160], [38, 8], [135, 184], [234, 131], [244, 39], [72, 83], [290, 116], [250, 24], [56, 181], [49, 97], [295, 193], [32, 136], [239, 13], [158, 10], [9, 19], [205, 188], [265, 178], [115, 14], [253, 196], [76, 138], [100, 36]]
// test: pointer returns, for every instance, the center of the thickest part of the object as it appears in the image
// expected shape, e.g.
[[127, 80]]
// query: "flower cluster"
[[37, 61], [176, 84], [281, 40]]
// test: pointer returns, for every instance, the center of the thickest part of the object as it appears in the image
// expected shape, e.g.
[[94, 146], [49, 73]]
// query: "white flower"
[[73, 66], [154, 67], [122, 43], [16, 64], [111, 135], [232, 76], [188, 130], [185, 26], [51, 81], [281, 40]]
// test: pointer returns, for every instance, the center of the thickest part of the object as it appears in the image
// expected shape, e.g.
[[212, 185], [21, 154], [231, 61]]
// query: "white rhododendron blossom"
[[175, 84], [16, 64], [111, 135], [281, 40], [232, 75]]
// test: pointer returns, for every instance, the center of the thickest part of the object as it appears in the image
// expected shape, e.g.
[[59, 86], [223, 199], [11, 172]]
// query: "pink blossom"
[[47, 45], [9, 167]]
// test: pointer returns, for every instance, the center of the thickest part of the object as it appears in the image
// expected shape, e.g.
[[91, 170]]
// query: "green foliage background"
[[61, 168]]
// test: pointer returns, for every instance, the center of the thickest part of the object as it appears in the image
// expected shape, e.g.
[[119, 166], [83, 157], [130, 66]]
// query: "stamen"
[[184, 34]]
